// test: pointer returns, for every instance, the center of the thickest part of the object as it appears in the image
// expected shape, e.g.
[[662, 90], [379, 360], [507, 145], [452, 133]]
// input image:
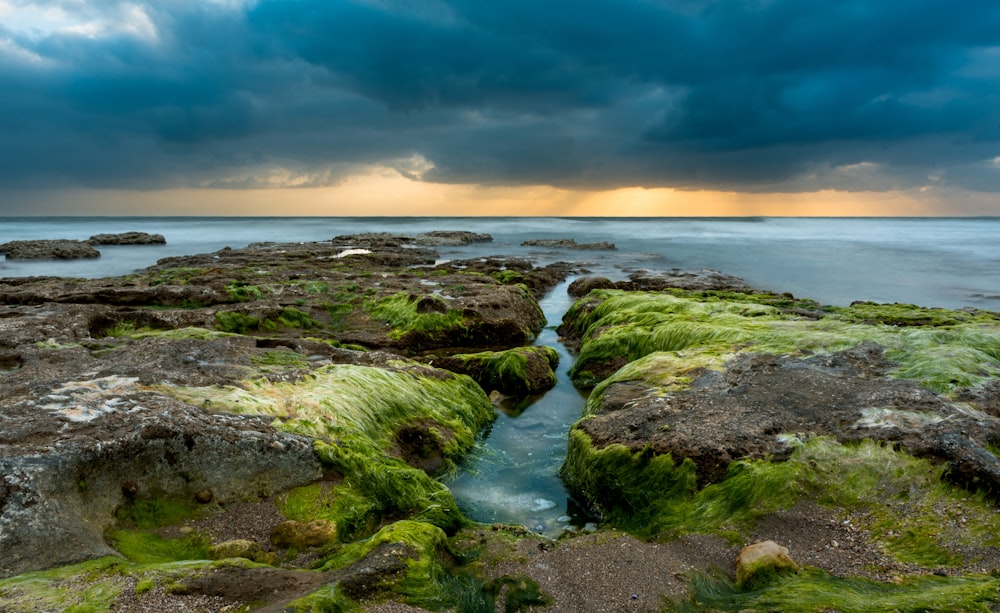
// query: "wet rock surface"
[[568, 243], [87, 427], [747, 410], [650, 280], [56, 249], [127, 238], [155, 386], [79, 450], [516, 372]]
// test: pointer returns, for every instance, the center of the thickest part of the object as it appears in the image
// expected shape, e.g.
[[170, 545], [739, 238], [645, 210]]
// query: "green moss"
[[178, 276], [236, 322], [508, 277], [906, 315], [816, 591], [314, 287], [338, 312], [146, 547], [291, 317], [521, 593], [400, 312], [510, 371], [625, 486], [281, 358], [619, 327], [344, 400], [61, 589], [667, 371], [358, 411], [327, 599], [156, 512], [911, 512], [429, 580], [182, 333], [241, 291], [126, 329]]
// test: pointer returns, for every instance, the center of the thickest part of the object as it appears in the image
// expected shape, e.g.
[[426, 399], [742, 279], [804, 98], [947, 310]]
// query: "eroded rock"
[[518, 372], [79, 450], [57, 249], [127, 238], [568, 243], [302, 535]]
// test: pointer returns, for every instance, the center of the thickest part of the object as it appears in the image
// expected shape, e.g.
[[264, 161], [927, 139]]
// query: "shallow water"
[[513, 476]]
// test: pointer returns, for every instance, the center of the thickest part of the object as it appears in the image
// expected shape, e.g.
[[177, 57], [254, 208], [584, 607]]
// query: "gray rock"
[[451, 238], [58, 249], [81, 449], [568, 243], [697, 280], [584, 285], [742, 412], [127, 238], [436, 238]]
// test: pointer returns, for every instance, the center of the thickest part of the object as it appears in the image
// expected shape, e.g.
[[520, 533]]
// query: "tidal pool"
[[513, 475]]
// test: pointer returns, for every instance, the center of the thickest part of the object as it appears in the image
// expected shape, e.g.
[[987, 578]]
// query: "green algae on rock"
[[714, 410], [616, 327], [517, 372], [383, 429], [813, 591]]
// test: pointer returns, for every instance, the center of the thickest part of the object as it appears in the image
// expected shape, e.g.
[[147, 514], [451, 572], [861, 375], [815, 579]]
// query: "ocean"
[[941, 262]]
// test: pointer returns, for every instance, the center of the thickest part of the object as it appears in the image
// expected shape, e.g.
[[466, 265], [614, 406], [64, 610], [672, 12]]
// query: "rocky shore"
[[265, 429]]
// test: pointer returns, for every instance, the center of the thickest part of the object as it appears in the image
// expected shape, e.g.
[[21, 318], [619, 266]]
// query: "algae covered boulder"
[[758, 560], [302, 535], [705, 381], [518, 372]]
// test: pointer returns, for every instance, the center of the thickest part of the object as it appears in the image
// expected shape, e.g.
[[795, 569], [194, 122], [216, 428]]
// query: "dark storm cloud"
[[748, 95]]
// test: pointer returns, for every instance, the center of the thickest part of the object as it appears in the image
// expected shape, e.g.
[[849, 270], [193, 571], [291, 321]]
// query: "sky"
[[513, 107]]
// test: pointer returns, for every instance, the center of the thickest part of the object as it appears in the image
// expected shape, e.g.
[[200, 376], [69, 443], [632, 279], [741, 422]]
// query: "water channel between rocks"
[[513, 475]]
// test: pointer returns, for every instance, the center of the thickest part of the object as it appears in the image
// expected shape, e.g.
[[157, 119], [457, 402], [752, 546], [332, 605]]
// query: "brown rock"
[[236, 548], [302, 535], [763, 559]]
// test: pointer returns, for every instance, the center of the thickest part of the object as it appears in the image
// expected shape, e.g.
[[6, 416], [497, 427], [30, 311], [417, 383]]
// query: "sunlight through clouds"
[[634, 104]]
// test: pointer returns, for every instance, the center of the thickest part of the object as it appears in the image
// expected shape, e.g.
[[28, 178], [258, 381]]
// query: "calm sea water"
[[951, 262]]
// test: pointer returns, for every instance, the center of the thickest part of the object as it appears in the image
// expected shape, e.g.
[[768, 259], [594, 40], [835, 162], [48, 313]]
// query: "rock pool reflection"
[[513, 477]]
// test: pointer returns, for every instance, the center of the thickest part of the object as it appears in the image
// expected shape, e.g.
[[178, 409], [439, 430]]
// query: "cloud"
[[746, 95]]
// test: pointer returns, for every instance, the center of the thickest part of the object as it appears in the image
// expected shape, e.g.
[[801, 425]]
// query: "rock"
[[451, 238], [515, 373], [568, 243], [584, 285], [373, 240], [760, 560], [127, 238], [81, 449], [740, 412], [698, 280], [48, 250], [204, 496], [436, 238], [678, 377], [237, 548], [303, 535]]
